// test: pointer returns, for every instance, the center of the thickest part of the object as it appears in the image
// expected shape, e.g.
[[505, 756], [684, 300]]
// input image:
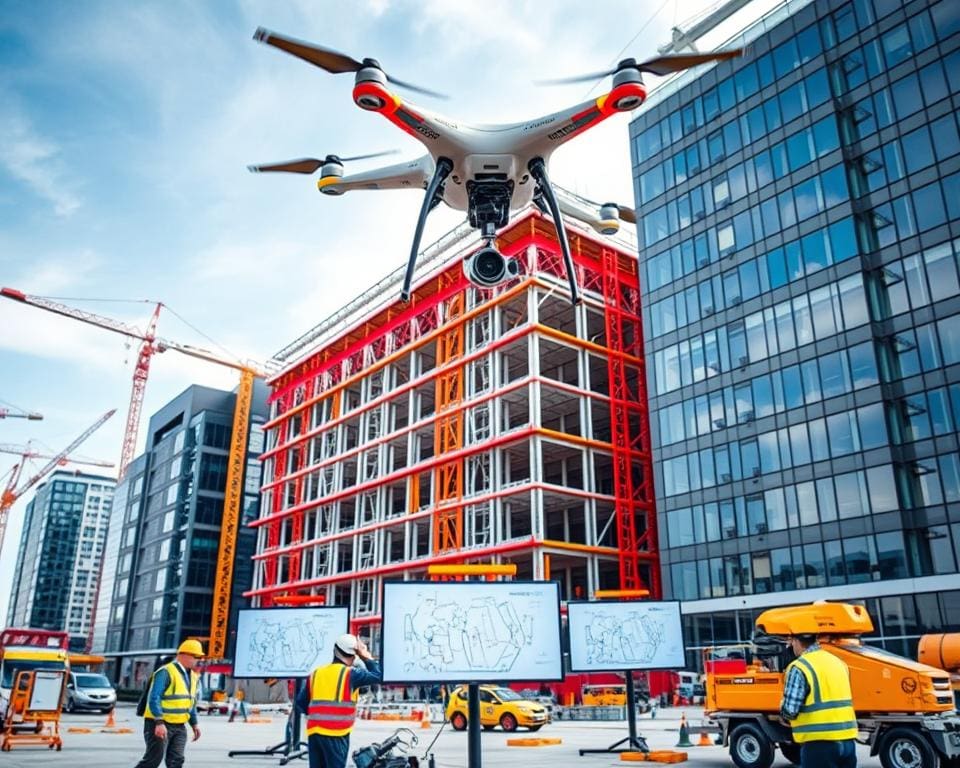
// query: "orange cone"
[[425, 723], [111, 721], [704, 740]]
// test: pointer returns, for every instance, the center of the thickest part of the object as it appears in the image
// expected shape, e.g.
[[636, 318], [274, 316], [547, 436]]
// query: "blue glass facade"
[[165, 536], [799, 226]]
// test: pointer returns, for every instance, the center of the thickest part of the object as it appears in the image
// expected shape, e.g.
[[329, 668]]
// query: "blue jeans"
[[828, 754], [328, 751]]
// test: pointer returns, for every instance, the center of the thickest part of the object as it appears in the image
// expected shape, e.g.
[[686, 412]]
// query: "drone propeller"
[[662, 65], [330, 60], [310, 165]]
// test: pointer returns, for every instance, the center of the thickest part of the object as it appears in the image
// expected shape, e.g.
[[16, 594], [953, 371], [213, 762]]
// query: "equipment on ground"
[[236, 459], [25, 703], [392, 752], [485, 170], [33, 711], [905, 710], [943, 651]]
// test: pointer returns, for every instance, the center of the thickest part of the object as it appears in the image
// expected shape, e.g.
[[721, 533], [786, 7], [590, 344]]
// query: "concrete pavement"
[[98, 750]]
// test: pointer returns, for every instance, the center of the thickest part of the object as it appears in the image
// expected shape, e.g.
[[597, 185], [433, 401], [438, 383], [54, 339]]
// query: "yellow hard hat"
[[191, 648]]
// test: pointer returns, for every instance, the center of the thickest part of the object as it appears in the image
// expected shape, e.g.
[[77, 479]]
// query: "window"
[[891, 557], [949, 333], [906, 96], [917, 149], [928, 204], [896, 45]]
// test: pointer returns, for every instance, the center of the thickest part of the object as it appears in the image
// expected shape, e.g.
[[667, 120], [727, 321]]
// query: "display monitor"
[[471, 632], [616, 636], [286, 642]]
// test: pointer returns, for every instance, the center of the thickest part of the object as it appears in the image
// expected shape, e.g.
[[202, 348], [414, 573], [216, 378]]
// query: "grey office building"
[[58, 560], [164, 538], [799, 239]]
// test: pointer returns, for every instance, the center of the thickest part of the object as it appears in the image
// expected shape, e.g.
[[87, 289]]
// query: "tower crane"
[[27, 452], [12, 492], [236, 459], [16, 413]]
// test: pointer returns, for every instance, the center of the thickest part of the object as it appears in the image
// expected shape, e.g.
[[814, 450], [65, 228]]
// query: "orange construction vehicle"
[[905, 709], [943, 651]]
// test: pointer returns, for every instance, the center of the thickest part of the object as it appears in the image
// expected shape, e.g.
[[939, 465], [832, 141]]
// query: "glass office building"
[[58, 561], [799, 224], [164, 539]]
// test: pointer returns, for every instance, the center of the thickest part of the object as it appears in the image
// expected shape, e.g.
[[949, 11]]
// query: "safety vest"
[[333, 706], [177, 700], [827, 713]]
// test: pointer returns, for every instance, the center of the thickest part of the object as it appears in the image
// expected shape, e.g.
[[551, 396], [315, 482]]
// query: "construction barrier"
[[400, 711], [657, 756], [533, 742]]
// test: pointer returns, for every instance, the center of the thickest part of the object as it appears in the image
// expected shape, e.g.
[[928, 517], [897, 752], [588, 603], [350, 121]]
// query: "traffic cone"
[[684, 740], [704, 740], [425, 723], [111, 721]]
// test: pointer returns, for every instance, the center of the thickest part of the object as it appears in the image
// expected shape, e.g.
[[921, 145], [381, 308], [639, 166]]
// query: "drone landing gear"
[[538, 169], [430, 201]]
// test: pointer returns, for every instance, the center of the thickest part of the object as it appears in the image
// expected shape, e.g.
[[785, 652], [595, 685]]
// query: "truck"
[[943, 650], [905, 709], [22, 650]]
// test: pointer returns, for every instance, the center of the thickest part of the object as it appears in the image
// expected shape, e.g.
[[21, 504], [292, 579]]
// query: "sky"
[[125, 132]]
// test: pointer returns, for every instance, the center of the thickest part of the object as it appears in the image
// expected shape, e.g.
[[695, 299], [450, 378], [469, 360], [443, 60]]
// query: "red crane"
[[236, 460], [12, 492]]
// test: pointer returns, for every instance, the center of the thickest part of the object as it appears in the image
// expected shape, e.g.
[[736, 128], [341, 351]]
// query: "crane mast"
[[233, 498]]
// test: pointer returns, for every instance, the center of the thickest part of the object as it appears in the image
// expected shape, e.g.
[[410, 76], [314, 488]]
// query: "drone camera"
[[609, 222], [488, 267]]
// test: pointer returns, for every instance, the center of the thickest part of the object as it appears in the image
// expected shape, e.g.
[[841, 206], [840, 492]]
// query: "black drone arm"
[[430, 200], [538, 170]]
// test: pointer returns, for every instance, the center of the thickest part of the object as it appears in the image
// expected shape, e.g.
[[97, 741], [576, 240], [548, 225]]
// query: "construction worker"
[[171, 704], [237, 704], [818, 705], [329, 700]]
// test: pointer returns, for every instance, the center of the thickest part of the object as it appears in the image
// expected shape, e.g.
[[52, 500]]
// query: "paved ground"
[[96, 750]]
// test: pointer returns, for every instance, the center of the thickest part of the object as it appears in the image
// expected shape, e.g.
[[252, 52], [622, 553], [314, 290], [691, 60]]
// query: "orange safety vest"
[[333, 707]]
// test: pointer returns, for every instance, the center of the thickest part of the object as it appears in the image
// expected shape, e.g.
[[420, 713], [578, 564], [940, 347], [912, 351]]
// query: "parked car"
[[88, 691], [498, 706]]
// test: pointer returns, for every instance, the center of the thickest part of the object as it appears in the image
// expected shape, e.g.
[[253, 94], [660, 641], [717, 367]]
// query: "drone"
[[485, 170]]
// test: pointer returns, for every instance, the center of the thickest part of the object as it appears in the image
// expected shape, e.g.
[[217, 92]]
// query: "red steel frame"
[[438, 313]]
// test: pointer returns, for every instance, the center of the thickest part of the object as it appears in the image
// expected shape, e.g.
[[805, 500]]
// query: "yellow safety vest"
[[177, 700], [827, 713], [333, 706]]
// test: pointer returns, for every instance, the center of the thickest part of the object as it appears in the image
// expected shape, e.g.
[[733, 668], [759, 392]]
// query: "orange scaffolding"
[[468, 425]]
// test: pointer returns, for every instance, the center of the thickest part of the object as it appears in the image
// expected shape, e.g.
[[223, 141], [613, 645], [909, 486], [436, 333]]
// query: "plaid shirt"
[[795, 690]]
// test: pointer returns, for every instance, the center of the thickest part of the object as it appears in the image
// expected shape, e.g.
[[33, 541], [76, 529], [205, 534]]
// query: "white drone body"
[[488, 171]]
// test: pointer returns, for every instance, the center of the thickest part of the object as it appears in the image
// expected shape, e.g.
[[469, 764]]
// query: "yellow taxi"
[[498, 706]]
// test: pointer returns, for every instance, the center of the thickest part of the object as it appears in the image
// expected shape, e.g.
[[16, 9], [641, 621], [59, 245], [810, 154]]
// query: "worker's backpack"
[[144, 695]]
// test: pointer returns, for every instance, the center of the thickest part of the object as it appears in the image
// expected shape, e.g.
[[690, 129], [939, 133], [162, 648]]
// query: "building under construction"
[[467, 425]]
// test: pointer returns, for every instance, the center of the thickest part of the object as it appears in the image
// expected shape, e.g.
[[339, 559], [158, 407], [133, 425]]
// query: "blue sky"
[[125, 132]]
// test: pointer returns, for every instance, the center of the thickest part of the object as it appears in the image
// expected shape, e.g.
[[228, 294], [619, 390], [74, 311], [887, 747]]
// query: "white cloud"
[[27, 155]]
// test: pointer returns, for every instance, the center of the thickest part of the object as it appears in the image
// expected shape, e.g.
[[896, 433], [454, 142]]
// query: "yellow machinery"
[[905, 709]]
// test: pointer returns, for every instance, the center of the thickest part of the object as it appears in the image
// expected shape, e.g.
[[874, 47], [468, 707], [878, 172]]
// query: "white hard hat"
[[346, 644]]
